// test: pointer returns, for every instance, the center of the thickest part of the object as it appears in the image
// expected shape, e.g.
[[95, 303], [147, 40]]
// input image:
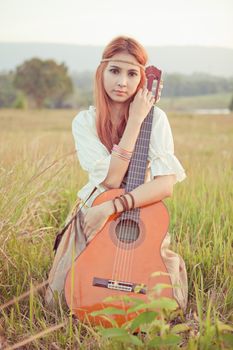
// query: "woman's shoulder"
[[159, 113], [84, 117], [160, 118]]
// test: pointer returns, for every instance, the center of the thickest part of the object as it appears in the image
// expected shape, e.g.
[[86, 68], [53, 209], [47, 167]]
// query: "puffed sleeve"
[[161, 150], [93, 156]]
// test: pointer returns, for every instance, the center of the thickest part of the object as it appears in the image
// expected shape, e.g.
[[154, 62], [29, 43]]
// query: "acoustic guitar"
[[122, 257]]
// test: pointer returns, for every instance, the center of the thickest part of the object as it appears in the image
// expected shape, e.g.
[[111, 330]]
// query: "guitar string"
[[128, 230], [119, 248], [143, 156], [127, 256], [127, 253], [123, 234], [143, 152], [120, 251]]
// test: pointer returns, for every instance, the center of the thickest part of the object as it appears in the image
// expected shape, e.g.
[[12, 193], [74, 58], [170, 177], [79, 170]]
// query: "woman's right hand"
[[141, 105]]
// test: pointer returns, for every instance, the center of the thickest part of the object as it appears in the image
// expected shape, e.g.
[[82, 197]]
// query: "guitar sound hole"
[[127, 231]]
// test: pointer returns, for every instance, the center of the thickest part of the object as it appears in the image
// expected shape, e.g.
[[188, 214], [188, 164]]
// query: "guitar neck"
[[138, 164]]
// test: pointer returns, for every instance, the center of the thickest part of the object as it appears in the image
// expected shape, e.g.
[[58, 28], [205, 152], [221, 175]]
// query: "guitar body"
[[119, 258]]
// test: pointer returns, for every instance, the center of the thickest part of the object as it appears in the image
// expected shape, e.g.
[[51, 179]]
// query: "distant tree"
[[20, 101], [43, 80], [231, 105], [8, 93], [175, 84]]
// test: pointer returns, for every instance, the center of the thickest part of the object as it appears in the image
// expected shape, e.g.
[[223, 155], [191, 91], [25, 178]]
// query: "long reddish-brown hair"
[[107, 133]]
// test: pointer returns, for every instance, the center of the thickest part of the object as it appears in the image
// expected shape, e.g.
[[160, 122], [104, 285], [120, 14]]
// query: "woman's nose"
[[121, 84], [122, 81]]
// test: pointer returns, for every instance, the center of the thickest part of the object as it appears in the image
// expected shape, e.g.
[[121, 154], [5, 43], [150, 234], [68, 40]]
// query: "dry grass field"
[[39, 179]]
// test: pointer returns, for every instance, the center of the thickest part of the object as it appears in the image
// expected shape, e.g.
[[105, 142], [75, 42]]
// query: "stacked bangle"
[[121, 201], [121, 153], [115, 207], [124, 202], [132, 198]]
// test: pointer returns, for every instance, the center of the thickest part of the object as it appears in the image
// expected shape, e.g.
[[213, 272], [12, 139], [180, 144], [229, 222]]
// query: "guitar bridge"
[[119, 285], [122, 286]]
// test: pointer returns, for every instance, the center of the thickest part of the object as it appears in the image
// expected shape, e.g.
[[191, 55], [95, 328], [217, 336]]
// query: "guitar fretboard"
[[138, 164]]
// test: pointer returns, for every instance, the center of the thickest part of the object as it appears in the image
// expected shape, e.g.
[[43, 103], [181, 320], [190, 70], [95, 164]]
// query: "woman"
[[105, 137]]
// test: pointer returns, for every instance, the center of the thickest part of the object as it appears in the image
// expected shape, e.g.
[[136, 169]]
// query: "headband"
[[124, 61]]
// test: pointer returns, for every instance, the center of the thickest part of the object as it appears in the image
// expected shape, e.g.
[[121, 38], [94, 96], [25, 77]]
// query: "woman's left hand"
[[95, 219]]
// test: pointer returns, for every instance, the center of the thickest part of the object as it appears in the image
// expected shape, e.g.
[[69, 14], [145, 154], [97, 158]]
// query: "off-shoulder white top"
[[94, 157]]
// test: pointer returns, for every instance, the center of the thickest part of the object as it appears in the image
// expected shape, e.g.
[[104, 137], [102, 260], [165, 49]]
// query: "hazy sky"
[[96, 22]]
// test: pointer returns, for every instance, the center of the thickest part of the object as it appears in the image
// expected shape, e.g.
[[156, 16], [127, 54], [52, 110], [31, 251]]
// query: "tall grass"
[[39, 180]]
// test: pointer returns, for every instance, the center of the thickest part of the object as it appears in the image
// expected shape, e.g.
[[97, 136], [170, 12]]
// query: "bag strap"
[[61, 233]]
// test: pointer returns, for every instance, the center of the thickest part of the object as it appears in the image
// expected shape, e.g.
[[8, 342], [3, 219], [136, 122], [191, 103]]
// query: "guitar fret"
[[143, 150], [138, 164], [142, 161], [142, 145], [135, 183], [132, 214], [145, 131]]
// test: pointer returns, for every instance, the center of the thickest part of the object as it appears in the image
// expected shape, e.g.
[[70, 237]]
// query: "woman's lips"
[[118, 92]]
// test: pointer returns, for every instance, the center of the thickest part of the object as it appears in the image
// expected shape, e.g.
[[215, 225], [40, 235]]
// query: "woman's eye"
[[114, 71]]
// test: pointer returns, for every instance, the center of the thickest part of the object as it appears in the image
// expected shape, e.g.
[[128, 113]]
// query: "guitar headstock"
[[153, 75]]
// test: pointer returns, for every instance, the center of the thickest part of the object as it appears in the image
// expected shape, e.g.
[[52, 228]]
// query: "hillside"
[[180, 59]]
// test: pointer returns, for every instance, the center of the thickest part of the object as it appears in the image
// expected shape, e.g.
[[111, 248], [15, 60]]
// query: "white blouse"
[[94, 157]]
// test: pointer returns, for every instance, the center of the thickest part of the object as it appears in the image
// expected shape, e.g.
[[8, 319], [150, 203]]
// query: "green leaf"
[[135, 340], [137, 301], [113, 332], [108, 311], [224, 327], [163, 303], [158, 303], [160, 286], [137, 307], [170, 339], [110, 320], [179, 328], [120, 335], [144, 318]]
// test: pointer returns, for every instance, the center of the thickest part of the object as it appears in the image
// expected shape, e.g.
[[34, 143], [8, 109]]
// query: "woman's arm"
[[118, 167], [150, 192], [153, 191], [139, 109]]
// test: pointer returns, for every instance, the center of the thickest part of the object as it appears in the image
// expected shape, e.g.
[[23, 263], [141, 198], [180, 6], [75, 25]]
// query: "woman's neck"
[[116, 113]]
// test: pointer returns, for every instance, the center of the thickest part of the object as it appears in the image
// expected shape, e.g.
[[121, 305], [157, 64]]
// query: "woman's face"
[[121, 79]]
